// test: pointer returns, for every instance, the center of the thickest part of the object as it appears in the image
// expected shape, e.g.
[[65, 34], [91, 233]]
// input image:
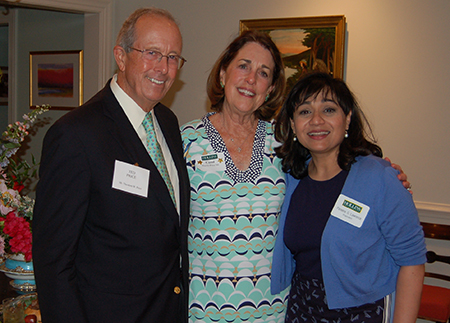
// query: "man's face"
[[147, 82]]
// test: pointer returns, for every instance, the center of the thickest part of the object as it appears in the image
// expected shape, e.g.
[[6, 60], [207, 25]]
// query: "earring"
[[346, 134], [267, 96], [295, 137], [222, 85]]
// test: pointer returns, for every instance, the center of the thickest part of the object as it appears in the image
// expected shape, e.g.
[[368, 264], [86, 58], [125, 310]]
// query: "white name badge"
[[131, 178], [211, 162], [350, 211]]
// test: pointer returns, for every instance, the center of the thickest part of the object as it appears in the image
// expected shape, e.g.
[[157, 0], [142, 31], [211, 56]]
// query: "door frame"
[[103, 8], [97, 40]]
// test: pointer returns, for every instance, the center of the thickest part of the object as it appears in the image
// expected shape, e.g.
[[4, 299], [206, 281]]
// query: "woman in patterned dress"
[[237, 187]]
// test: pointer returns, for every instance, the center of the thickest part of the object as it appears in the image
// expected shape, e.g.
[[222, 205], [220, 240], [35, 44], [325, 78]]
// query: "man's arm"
[[59, 214]]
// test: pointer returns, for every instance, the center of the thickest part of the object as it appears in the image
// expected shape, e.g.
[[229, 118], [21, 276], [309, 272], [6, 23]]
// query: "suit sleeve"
[[62, 199]]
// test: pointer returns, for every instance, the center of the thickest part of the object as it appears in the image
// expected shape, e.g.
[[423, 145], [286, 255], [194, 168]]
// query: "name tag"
[[211, 162], [350, 211], [131, 178]]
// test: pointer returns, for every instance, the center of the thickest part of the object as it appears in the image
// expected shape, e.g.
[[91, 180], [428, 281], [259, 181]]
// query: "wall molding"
[[10, 20], [433, 212]]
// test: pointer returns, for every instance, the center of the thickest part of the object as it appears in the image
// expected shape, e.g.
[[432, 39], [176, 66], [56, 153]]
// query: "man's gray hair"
[[127, 34]]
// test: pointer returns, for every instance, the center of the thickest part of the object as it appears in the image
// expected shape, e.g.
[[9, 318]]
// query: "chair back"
[[435, 303], [440, 232]]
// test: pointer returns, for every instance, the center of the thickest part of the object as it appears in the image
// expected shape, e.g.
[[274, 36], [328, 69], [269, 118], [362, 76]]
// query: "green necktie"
[[155, 152]]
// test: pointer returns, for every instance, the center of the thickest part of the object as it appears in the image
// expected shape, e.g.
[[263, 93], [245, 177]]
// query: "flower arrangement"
[[16, 210]]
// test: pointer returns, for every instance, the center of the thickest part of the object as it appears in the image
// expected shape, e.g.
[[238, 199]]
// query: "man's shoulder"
[[163, 111], [88, 113], [103, 97]]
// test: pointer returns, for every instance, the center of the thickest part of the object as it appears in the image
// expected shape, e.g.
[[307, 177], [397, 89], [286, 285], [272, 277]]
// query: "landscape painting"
[[306, 44]]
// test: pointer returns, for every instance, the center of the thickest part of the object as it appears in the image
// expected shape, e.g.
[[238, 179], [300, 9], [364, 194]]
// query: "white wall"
[[396, 63]]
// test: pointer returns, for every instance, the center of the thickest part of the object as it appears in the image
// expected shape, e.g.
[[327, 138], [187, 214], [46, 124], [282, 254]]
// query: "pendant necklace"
[[243, 142], [232, 139]]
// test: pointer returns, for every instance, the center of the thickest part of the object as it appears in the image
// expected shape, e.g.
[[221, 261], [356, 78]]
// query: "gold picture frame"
[[302, 40], [56, 79]]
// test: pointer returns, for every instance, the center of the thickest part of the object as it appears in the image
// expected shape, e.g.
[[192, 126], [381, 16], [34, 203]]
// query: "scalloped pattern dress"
[[232, 229]]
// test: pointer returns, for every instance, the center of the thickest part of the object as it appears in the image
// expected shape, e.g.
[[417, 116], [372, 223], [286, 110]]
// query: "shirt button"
[[177, 290]]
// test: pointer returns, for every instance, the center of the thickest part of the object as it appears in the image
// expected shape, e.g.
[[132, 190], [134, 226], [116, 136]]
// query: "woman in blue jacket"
[[349, 243]]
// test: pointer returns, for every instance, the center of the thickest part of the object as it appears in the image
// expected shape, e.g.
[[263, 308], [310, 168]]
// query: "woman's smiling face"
[[247, 80], [320, 124]]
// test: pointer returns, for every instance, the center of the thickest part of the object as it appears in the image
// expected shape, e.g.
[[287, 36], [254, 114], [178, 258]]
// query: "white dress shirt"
[[136, 115]]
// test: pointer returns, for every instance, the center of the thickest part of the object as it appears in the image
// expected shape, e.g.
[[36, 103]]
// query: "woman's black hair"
[[360, 141]]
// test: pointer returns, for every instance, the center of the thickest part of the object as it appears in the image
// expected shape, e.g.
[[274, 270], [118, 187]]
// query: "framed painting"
[[3, 85], [56, 78], [306, 44]]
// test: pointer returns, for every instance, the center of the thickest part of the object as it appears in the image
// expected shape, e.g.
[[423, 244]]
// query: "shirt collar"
[[133, 111]]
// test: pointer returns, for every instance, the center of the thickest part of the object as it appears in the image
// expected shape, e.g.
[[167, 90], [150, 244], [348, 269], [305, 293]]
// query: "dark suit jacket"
[[101, 254]]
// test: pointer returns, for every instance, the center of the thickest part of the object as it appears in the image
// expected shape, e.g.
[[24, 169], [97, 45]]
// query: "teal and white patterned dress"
[[234, 220]]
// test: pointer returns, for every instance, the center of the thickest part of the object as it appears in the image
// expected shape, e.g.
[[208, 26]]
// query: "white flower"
[[8, 199]]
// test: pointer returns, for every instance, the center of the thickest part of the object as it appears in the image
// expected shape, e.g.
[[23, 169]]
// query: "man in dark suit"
[[109, 232]]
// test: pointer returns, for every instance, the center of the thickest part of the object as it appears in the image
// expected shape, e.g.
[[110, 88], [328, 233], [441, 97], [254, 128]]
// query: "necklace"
[[239, 147], [243, 142]]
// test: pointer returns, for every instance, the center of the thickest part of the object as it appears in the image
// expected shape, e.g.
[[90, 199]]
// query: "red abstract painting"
[[55, 80]]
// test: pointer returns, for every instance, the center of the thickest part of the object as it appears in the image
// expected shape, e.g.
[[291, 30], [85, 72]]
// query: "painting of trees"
[[321, 44], [306, 44]]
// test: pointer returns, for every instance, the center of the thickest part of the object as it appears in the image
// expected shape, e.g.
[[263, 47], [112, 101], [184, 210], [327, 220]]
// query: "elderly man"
[[110, 222]]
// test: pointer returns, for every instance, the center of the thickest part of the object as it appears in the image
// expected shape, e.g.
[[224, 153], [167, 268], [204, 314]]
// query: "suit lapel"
[[167, 121], [173, 140], [123, 132]]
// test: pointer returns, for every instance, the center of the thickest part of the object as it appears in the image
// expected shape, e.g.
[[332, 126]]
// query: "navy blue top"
[[360, 264], [309, 210]]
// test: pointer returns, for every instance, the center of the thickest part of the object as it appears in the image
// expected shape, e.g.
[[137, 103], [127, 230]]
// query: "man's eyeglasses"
[[150, 55]]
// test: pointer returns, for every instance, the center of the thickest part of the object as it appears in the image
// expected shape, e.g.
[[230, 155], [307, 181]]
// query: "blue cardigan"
[[360, 265]]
